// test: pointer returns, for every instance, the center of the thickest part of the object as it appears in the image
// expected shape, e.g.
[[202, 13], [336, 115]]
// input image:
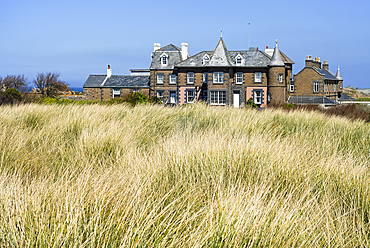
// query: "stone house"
[[315, 84], [103, 87], [218, 77]]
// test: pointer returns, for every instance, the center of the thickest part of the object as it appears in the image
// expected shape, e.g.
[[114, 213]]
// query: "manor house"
[[218, 77]]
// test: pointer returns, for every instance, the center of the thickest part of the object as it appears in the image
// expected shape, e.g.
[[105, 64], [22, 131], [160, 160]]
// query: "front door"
[[236, 99]]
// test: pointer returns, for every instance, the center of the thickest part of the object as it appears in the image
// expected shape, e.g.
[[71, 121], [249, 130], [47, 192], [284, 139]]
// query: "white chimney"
[[109, 71], [157, 46], [269, 52], [184, 51]]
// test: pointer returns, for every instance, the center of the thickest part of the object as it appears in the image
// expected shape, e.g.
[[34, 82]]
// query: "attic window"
[[164, 60], [205, 59], [239, 60]]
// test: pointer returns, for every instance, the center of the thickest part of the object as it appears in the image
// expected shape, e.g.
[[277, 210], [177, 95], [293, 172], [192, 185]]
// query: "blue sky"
[[77, 38]]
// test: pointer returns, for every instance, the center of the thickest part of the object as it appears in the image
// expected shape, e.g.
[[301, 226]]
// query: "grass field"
[[196, 176]]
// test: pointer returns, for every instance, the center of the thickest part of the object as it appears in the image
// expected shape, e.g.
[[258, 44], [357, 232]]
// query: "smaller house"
[[315, 84], [104, 87]]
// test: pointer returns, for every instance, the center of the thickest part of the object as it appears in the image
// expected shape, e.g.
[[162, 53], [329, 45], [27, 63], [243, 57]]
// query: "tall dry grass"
[[115, 176]]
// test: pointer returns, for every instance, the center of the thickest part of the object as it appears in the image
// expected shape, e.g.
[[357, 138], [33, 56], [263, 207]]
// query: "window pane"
[[160, 78], [172, 78], [239, 77], [190, 96], [190, 77]]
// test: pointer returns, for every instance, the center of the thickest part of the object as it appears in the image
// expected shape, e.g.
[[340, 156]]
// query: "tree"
[[16, 82], [49, 84]]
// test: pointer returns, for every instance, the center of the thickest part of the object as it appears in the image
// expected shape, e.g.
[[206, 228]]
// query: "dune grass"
[[197, 176]]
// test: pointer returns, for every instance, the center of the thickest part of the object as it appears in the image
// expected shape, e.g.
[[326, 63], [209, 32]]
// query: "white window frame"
[[205, 59], [281, 78], [237, 59], [135, 90], [164, 59], [218, 97], [190, 78], [116, 92], [239, 78], [172, 78], [187, 96], [218, 77], [258, 77], [160, 78], [291, 88], [257, 98], [160, 94], [316, 87], [335, 88]]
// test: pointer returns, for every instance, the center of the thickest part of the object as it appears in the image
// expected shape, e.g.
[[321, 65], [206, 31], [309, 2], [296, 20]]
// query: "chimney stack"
[[309, 61], [157, 46], [325, 66], [109, 71], [184, 51]]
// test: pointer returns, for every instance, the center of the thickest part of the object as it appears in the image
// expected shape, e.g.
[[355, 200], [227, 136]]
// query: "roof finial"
[[221, 32], [276, 41]]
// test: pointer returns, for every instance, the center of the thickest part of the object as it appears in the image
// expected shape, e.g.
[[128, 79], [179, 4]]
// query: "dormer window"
[[205, 59], [164, 59], [239, 60]]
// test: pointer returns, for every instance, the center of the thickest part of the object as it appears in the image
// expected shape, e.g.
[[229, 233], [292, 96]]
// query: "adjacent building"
[[315, 84]]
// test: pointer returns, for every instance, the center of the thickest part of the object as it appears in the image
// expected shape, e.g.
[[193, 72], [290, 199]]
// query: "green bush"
[[136, 97], [10, 96], [250, 104], [288, 106]]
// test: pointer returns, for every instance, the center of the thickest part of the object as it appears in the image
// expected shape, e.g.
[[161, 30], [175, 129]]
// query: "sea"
[[76, 89]]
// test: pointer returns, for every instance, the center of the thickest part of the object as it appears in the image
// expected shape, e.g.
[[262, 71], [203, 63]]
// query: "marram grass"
[[197, 176]]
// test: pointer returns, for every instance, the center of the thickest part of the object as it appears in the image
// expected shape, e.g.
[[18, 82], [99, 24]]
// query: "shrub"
[[250, 104], [288, 106], [10, 96], [136, 97]]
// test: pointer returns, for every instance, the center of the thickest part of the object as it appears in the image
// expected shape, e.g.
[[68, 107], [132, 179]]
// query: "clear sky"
[[77, 38]]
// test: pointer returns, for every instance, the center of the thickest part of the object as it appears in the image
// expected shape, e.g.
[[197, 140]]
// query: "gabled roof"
[[174, 57], [253, 58], [196, 60], [327, 74], [169, 48], [95, 81], [220, 56]]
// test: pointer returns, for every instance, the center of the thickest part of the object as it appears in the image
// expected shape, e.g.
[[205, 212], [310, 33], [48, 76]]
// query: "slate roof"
[[314, 100], [345, 97], [327, 74], [338, 76], [225, 58], [174, 57], [94, 81], [276, 59], [220, 57]]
